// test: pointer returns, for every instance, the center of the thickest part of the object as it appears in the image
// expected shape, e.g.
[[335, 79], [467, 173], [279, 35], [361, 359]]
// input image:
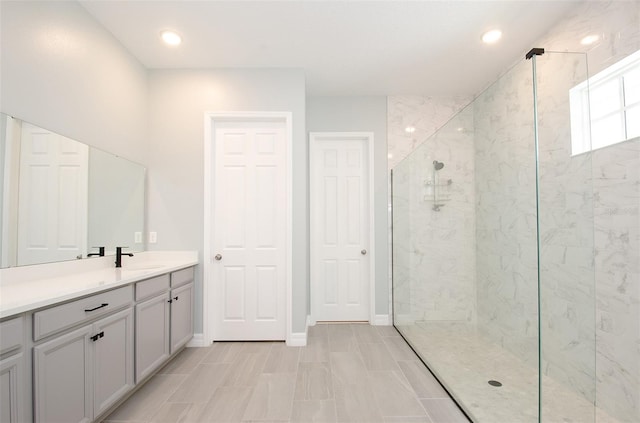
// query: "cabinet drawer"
[[181, 277], [11, 332], [152, 287], [58, 318]]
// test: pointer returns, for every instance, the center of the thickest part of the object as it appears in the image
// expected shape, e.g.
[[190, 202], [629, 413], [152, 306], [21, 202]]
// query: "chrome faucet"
[[119, 255]]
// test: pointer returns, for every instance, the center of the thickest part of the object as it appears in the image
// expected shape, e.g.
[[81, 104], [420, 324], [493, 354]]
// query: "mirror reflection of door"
[[52, 200]]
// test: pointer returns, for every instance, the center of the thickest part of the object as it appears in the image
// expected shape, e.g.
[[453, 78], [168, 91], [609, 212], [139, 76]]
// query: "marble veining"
[[588, 222]]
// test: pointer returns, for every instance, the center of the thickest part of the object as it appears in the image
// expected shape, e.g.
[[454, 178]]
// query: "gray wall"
[[366, 114], [62, 71], [178, 100]]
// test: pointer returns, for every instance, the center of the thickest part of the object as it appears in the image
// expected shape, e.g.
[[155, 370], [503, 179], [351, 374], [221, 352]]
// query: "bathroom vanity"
[[76, 338]]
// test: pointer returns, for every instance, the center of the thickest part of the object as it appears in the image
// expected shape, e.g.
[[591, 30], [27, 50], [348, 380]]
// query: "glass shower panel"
[[465, 256], [566, 247]]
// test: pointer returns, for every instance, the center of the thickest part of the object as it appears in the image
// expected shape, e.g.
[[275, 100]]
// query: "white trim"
[[368, 138], [197, 341], [297, 339], [210, 118], [310, 321], [382, 320]]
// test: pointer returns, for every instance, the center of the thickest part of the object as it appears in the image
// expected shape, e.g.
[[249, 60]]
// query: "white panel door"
[[340, 229], [249, 231], [52, 202]]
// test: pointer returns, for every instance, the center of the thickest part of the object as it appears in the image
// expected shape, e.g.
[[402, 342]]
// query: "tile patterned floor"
[[346, 373]]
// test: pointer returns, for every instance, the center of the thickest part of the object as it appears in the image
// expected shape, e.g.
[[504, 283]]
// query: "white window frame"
[[581, 120]]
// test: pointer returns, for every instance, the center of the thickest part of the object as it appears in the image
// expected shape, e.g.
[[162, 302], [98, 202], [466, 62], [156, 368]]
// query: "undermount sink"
[[143, 266]]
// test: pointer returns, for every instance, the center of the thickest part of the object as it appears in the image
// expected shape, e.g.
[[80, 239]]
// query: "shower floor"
[[464, 362]]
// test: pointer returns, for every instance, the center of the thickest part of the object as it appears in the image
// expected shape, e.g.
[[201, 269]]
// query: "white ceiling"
[[344, 47]]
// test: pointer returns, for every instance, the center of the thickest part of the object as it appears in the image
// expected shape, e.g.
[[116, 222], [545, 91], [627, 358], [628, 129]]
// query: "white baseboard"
[[310, 321], [382, 320], [197, 341], [297, 339]]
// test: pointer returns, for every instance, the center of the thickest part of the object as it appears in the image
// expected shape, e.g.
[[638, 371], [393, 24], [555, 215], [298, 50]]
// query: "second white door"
[[249, 231], [340, 226]]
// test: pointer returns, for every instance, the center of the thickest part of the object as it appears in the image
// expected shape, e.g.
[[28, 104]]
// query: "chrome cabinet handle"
[[363, 252], [218, 257]]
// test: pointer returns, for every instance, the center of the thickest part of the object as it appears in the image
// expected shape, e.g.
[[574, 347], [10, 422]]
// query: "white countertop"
[[27, 288]]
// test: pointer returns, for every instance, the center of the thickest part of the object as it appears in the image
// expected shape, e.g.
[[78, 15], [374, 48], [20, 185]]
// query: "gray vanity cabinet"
[[62, 378], [164, 319], [152, 334], [12, 371], [113, 360], [11, 379], [181, 316], [79, 374]]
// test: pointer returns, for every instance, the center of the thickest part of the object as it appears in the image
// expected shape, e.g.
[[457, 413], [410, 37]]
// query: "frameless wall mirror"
[[62, 198]]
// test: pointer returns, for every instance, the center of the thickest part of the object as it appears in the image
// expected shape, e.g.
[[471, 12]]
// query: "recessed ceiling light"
[[171, 38], [589, 39], [389, 155], [410, 129], [492, 36]]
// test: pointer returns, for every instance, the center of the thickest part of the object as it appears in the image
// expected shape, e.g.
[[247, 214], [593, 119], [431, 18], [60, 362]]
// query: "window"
[[614, 96]]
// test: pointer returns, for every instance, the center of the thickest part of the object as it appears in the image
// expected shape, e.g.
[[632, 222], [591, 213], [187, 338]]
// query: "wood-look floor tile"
[[201, 383], [176, 412], [399, 348], [333, 378], [348, 368], [314, 412], [256, 347], [314, 382], [443, 411], [282, 359], [318, 331], [341, 338], [144, 403], [222, 352], [421, 419], [227, 405], [185, 361], [272, 397], [366, 333], [316, 350], [387, 331], [354, 404], [377, 357], [245, 370], [423, 382], [393, 394]]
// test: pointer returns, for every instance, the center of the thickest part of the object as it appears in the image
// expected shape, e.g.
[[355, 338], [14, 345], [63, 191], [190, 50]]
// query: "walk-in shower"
[[522, 294]]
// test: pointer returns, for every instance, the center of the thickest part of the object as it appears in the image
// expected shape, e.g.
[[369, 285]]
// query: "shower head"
[[437, 165]]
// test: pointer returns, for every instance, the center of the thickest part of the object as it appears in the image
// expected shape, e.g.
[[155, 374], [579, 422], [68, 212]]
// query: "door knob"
[[218, 257], [363, 252]]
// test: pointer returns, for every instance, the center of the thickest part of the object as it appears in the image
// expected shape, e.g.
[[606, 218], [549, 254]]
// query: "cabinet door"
[[113, 359], [152, 335], [11, 389], [181, 316], [63, 380]]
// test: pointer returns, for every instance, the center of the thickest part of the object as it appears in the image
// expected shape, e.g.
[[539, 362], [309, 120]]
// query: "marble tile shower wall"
[[506, 246], [434, 257], [567, 285], [616, 224], [589, 202], [425, 114]]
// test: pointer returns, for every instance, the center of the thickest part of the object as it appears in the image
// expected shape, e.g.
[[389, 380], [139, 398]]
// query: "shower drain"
[[495, 383]]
